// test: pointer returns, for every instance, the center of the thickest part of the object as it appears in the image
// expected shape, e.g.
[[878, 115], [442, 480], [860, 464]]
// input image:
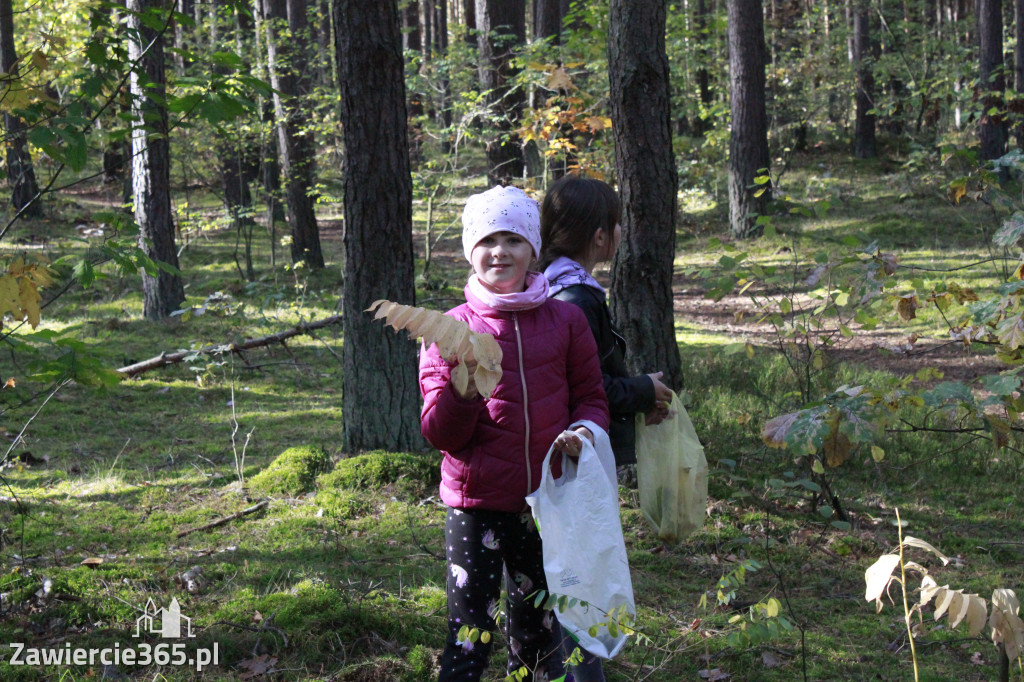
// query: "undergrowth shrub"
[[292, 472]]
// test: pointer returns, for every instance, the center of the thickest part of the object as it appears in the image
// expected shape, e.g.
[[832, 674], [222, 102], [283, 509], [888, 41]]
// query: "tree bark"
[[991, 84], [21, 176], [296, 145], [547, 20], [380, 400], [701, 126], [1018, 63], [469, 19], [411, 26], [641, 291], [501, 26], [748, 141], [163, 292], [864, 146]]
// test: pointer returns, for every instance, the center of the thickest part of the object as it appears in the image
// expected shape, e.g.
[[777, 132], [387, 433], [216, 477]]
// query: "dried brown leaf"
[[837, 449], [1007, 627], [773, 433], [258, 667], [906, 307], [877, 578], [456, 342]]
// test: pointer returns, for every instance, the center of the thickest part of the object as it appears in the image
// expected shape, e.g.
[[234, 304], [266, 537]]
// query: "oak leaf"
[[773, 433]]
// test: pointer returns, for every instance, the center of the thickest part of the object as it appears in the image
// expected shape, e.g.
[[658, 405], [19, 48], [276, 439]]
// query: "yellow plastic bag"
[[672, 474]]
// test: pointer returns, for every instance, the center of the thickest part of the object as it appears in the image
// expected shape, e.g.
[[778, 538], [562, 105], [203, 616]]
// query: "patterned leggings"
[[485, 548]]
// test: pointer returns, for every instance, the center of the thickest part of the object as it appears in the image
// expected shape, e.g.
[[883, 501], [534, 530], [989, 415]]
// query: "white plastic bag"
[[672, 474], [584, 553]]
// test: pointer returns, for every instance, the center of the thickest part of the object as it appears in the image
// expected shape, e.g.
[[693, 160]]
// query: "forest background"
[[822, 221]]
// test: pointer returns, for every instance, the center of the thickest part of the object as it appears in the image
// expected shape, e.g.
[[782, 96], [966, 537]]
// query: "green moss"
[[408, 472], [294, 471], [344, 504]]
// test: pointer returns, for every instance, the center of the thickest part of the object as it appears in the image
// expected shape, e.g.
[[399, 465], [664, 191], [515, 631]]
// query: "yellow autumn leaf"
[[40, 61], [9, 296], [28, 299], [836, 449], [454, 339], [1007, 627], [559, 80]]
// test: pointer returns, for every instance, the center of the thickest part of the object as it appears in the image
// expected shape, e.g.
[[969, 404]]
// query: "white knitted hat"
[[500, 209]]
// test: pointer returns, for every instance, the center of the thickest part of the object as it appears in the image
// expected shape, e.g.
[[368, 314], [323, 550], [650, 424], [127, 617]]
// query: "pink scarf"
[[536, 293]]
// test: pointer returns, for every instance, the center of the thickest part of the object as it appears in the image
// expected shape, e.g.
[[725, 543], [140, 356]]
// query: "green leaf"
[[84, 273], [184, 103], [227, 59], [1000, 384], [948, 391], [75, 152]]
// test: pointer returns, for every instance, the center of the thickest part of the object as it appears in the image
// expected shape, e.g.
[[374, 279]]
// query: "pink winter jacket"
[[551, 377]]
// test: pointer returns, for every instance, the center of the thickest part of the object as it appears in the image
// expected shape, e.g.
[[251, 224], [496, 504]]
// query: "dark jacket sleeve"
[[626, 394]]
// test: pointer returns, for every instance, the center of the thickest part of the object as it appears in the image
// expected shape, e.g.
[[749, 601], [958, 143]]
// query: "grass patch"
[[349, 583]]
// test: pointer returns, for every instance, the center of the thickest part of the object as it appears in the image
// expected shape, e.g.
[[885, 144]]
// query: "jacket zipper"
[[526, 403]]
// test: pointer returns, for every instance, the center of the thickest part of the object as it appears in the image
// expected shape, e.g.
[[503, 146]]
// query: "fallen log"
[[165, 359], [226, 519]]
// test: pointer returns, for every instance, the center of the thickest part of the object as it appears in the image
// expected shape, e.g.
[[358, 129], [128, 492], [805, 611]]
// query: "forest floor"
[[111, 492]]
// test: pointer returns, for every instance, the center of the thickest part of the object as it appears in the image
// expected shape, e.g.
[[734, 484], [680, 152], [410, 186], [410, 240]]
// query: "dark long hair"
[[573, 210]]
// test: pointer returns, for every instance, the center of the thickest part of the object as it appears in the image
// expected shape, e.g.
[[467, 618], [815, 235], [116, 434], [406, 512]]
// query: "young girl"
[[493, 449], [579, 229]]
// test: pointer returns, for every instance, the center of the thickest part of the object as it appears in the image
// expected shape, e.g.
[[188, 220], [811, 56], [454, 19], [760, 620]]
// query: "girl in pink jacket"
[[493, 449]]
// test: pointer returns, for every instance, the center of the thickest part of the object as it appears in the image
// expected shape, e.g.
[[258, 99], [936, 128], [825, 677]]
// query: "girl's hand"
[[569, 443], [662, 393], [659, 414]]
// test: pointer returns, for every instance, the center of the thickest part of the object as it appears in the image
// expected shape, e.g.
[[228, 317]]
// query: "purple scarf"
[[565, 272]]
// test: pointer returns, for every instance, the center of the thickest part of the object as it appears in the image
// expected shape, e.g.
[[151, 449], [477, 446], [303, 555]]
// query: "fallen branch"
[[165, 359], [220, 522]]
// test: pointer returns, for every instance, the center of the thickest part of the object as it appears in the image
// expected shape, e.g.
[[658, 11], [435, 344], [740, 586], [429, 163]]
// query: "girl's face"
[[501, 260]]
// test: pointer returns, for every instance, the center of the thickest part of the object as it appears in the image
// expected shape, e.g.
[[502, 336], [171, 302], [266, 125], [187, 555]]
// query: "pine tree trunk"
[[641, 291], [1018, 63], [296, 144], [991, 84], [700, 126], [21, 176], [547, 20], [163, 292], [380, 401], [748, 142], [505, 18], [864, 146]]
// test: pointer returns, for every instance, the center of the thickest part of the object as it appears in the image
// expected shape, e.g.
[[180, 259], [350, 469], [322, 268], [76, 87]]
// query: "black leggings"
[[484, 548]]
